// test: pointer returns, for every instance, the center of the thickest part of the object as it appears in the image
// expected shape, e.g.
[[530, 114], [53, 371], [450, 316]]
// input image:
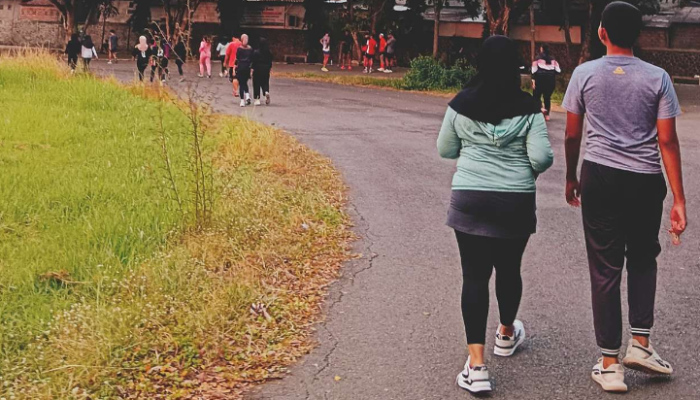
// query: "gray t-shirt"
[[622, 98]]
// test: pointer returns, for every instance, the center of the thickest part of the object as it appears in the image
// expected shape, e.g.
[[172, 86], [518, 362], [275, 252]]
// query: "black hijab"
[[494, 93], [87, 42]]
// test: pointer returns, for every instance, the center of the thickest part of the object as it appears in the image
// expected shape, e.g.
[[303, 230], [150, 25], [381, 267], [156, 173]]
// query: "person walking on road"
[[88, 52], [499, 136], [326, 48], [230, 61], [630, 109], [382, 53], [180, 57], [73, 50], [370, 51], [205, 57], [544, 73], [142, 54], [244, 60], [346, 51], [113, 45], [261, 66], [221, 50], [390, 54]]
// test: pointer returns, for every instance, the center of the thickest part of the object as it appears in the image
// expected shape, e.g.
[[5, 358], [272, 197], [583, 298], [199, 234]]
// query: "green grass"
[[106, 289]]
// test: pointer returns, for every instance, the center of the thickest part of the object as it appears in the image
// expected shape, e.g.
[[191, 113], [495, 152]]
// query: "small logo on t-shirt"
[[619, 71]]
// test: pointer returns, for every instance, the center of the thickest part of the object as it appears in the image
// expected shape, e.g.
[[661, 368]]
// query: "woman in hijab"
[[87, 52], [73, 49], [499, 136], [142, 54], [544, 72]]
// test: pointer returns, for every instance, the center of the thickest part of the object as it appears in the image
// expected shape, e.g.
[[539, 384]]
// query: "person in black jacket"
[[73, 51], [262, 64], [180, 57], [142, 54], [244, 58]]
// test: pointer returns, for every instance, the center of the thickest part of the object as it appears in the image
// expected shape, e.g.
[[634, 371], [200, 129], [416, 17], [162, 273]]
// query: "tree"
[[107, 9], [230, 12], [179, 15], [500, 13], [315, 23], [70, 9]]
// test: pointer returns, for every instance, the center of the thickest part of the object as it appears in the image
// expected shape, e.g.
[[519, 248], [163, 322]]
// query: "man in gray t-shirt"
[[630, 108], [622, 98]]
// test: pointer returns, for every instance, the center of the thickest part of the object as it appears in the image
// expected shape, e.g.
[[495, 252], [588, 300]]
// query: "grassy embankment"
[[386, 83], [114, 282]]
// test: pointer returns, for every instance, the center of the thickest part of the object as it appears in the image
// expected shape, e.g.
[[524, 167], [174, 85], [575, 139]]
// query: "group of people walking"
[[374, 48], [239, 62], [499, 136]]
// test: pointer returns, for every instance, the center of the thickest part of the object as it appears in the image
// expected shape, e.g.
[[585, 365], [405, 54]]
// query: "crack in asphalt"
[[370, 257]]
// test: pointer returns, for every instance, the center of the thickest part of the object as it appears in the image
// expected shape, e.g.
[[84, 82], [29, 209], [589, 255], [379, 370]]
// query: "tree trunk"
[[104, 25], [567, 30], [532, 32], [586, 40], [69, 23], [436, 30], [358, 48], [351, 11]]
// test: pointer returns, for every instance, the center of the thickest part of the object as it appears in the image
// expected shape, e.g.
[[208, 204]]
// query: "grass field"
[[110, 285]]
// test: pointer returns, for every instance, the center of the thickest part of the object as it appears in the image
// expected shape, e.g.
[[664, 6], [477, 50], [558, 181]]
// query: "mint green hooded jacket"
[[502, 158]]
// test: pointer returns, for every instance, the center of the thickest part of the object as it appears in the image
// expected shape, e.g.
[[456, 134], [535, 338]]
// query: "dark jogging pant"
[[480, 255], [544, 87], [621, 220], [261, 82]]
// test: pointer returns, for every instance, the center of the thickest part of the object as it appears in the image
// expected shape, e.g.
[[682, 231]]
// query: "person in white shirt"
[[87, 52], [221, 49]]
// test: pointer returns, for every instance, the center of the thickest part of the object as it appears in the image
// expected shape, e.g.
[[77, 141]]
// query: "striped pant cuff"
[[641, 331], [610, 352]]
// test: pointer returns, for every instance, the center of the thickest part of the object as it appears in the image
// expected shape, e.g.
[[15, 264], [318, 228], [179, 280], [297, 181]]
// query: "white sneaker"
[[221, 74], [109, 62], [611, 379], [257, 102], [645, 359], [380, 69], [242, 103], [388, 71], [506, 345], [474, 380], [267, 98]]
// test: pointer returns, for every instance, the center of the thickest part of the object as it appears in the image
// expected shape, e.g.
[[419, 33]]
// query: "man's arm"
[[671, 154], [572, 145]]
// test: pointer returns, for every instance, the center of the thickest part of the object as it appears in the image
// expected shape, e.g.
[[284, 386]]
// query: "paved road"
[[393, 328]]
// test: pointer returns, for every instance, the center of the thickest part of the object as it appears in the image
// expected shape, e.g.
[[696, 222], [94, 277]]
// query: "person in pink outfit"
[[205, 57]]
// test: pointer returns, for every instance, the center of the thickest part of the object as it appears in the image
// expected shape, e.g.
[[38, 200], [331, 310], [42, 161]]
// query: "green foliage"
[[426, 73]]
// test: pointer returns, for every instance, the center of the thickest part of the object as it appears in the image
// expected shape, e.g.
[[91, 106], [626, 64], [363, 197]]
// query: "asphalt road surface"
[[393, 328]]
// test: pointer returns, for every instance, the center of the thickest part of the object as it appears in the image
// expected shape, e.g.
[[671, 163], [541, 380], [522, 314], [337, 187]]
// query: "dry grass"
[[190, 313]]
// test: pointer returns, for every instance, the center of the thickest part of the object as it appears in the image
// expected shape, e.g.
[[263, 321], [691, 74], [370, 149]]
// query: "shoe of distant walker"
[[506, 345], [257, 102], [200, 75], [474, 379], [242, 103], [645, 359], [349, 67], [380, 69], [342, 67], [248, 102], [109, 62], [611, 379], [324, 69], [267, 98], [388, 71], [221, 74]]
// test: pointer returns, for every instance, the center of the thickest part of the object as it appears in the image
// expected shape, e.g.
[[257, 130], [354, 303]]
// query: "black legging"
[[544, 87], [480, 255], [73, 62], [261, 80], [142, 70], [179, 67], [243, 76]]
